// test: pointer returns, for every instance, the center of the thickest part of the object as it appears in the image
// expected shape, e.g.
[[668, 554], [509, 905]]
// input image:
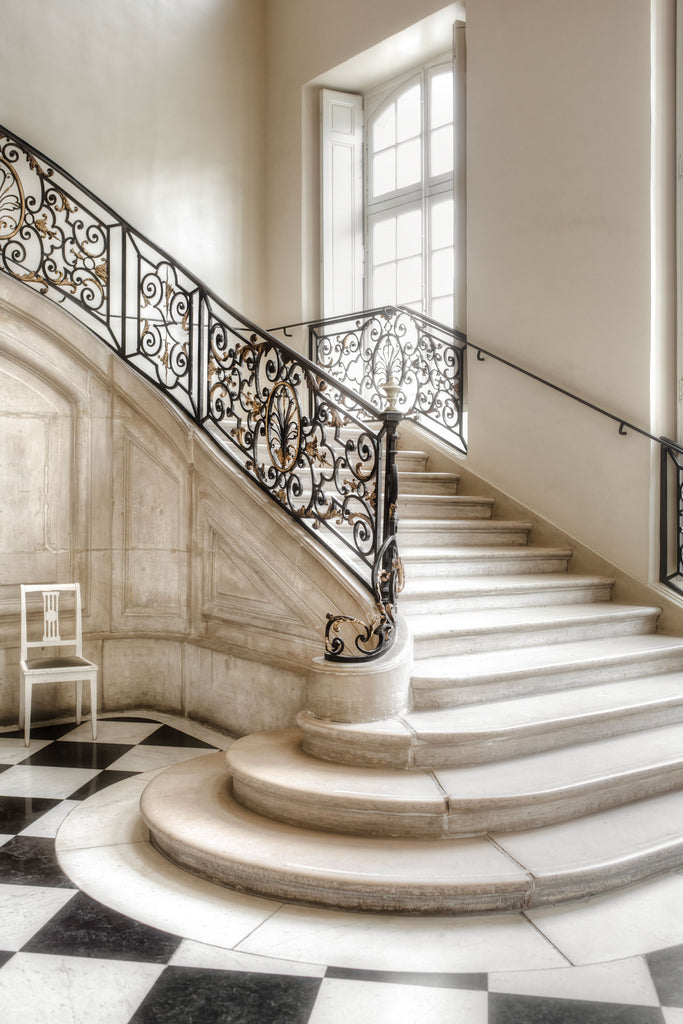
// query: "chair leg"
[[21, 700], [27, 712], [93, 706], [79, 700]]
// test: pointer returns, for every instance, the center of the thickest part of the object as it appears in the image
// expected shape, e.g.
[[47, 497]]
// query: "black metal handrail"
[[321, 451]]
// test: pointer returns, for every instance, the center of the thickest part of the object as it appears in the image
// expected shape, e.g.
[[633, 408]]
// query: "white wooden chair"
[[62, 667]]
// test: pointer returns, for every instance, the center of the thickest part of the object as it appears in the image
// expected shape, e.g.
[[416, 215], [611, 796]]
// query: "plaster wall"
[[158, 108], [200, 596]]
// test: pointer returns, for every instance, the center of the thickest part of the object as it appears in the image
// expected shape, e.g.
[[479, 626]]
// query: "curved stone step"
[[273, 776], [429, 595], [196, 822], [443, 507], [478, 733], [444, 562], [493, 629], [462, 533], [452, 681]]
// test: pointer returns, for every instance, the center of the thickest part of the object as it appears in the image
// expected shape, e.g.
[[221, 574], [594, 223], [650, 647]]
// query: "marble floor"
[[96, 926]]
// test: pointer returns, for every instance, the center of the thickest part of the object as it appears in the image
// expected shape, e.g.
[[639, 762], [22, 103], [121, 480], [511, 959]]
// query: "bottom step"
[[195, 821]]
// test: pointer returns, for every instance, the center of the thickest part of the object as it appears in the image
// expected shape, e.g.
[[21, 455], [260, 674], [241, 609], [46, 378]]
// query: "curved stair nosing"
[[196, 823]]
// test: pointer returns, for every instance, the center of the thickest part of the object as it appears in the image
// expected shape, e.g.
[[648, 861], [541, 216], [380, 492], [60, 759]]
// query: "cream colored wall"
[[559, 271], [200, 596], [158, 107]]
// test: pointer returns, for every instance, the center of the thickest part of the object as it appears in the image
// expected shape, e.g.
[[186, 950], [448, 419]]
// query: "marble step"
[[448, 594], [428, 482], [443, 507], [196, 822], [273, 776], [452, 681], [444, 562], [492, 629], [446, 532], [411, 461], [478, 733]]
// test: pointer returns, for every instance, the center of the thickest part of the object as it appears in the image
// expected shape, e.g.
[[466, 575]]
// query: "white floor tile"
[[137, 881], [622, 981], [109, 817], [24, 909], [37, 780], [347, 1002], [5, 839], [142, 759], [672, 1015], [111, 732], [13, 751], [43, 989], [197, 954], [382, 942], [637, 920], [47, 825]]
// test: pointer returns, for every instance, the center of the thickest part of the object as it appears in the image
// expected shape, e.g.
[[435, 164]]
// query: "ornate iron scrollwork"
[[423, 360]]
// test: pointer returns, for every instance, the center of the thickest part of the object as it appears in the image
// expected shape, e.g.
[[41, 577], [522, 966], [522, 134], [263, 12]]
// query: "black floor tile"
[[129, 718], [100, 781], [471, 982], [42, 732], [30, 860], [18, 812], [85, 927], [69, 754], [666, 968], [514, 1009], [189, 995], [167, 736], [4, 957]]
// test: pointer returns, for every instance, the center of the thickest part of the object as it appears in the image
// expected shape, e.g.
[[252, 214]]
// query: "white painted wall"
[[157, 106]]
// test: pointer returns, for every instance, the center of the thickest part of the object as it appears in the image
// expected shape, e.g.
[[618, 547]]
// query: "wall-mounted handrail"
[[317, 448]]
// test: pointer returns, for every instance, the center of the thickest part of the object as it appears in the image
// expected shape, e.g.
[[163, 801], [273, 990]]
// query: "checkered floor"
[[64, 957]]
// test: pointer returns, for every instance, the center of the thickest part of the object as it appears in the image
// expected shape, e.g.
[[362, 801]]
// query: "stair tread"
[[493, 619], [519, 661], [450, 725], [275, 760], [519, 583], [190, 808], [413, 552]]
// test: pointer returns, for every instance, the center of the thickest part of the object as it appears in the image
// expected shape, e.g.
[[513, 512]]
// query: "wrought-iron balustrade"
[[322, 452], [398, 354]]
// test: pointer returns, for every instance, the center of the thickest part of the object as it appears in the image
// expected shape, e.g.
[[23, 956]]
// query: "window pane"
[[408, 119], [441, 99], [409, 233], [442, 222], [384, 285], [409, 280], [384, 172], [442, 310], [384, 241], [442, 272], [408, 164], [441, 151], [384, 129]]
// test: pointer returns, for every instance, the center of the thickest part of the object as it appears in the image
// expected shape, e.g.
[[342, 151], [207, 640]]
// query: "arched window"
[[409, 209]]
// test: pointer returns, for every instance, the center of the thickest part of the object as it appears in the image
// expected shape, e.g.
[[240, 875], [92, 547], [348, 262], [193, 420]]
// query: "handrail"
[[343, 344], [322, 452]]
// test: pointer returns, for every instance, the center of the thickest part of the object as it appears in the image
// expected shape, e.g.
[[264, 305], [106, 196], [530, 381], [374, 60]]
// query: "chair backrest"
[[52, 634]]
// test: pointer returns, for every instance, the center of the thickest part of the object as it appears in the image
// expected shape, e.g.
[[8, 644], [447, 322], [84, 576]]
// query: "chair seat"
[[71, 661]]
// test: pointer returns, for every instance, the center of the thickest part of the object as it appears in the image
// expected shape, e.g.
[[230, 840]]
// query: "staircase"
[[539, 760]]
